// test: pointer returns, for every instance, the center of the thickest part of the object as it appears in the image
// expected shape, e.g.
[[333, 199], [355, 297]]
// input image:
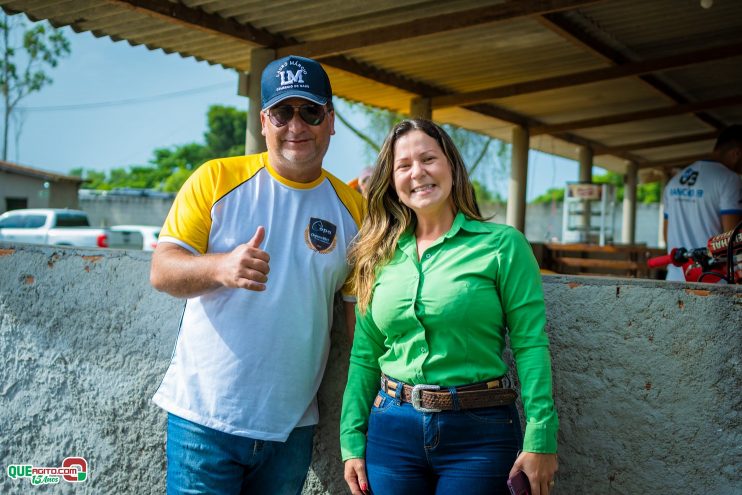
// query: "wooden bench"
[[591, 259]]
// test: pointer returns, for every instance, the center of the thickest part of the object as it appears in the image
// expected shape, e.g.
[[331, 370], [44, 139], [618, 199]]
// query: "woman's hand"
[[539, 468], [355, 476]]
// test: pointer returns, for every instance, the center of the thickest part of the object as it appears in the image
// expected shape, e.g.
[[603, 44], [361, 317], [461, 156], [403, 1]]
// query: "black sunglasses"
[[310, 113]]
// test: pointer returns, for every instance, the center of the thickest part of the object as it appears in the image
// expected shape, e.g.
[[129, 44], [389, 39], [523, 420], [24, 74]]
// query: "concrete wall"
[[647, 378], [63, 195], [111, 209], [543, 221]]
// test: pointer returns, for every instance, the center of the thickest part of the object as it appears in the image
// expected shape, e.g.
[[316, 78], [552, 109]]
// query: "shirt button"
[[427, 256], [423, 350]]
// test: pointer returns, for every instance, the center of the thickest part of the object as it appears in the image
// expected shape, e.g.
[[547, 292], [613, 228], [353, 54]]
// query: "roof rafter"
[[674, 162], [590, 76], [654, 113], [657, 143], [429, 25], [568, 29], [196, 18], [201, 20]]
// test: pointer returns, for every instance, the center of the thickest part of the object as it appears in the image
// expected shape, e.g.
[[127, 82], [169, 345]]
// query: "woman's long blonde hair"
[[387, 217]]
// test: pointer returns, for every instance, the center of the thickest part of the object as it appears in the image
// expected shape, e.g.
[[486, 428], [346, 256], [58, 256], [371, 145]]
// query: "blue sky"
[[112, 104]]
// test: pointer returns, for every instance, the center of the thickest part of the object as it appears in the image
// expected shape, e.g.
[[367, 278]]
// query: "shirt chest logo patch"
[[320, 235]]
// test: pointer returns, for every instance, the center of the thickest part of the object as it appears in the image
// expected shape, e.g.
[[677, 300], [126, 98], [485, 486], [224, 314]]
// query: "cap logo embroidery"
[[290, 78], [296, 77]]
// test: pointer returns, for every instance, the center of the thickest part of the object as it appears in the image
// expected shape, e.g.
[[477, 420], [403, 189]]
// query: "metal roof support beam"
[[654, 113], [426, 26], [516, 208], [590, 76]]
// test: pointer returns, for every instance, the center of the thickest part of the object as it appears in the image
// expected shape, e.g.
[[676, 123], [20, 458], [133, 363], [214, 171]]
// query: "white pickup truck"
[[62, 227]]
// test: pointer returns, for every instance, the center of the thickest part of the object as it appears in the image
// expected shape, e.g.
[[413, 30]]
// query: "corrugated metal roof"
[[14, 168], [585, 36]]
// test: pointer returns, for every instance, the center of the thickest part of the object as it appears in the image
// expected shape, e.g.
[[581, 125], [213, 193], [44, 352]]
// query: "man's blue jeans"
[[451, 452], [203, 460]]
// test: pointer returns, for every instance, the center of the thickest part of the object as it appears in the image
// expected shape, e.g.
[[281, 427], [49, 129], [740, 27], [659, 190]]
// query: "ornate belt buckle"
[[416, 400]]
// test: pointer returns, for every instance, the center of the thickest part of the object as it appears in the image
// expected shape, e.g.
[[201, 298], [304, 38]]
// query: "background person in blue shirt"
[[705, 198]]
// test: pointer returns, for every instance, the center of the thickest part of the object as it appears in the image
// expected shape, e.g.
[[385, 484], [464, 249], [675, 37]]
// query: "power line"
[[128, 101]]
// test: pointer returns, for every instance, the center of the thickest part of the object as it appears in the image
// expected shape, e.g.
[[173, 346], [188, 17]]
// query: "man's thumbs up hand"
[[246, 267]]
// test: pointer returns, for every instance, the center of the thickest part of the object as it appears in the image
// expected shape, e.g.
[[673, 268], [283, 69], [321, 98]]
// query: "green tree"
[[26, 53], [176, 180], [476, 149], [186, 156], [645, 193], [226, 132], [649, 193], [170, 167], [93, 179], [484, 195], [551, 194]]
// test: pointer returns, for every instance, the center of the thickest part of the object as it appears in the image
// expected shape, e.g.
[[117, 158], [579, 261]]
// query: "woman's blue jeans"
[[468, 452], [202, 460]]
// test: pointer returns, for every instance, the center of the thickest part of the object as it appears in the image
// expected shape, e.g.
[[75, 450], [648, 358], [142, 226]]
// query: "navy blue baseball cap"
[[294, 77]]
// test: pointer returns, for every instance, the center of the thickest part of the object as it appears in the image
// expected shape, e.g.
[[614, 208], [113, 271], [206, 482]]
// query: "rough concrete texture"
[[84, 343], [647, 378]]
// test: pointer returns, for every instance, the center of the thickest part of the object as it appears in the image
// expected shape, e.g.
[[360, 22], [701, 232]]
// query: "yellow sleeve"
[[351, 198], [189, 219], [356, 205], [188, 223]]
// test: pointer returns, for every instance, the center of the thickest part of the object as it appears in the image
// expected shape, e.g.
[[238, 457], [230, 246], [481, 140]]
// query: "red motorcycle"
[[721, 259]]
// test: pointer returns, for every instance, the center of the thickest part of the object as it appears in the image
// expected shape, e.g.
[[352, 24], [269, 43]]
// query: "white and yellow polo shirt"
[[250, 363]]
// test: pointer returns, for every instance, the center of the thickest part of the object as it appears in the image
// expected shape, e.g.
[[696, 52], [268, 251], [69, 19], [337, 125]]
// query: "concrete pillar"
[[585, 154], [628, 230], [661, 241], [420, 108], [585, 158], [259, 59], [516, 209]]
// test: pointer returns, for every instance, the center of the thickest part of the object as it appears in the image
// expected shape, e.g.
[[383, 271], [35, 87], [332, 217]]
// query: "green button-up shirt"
[[442, 320]]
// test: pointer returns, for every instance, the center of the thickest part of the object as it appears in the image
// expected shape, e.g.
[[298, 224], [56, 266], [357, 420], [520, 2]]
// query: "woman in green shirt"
[[437, 289]]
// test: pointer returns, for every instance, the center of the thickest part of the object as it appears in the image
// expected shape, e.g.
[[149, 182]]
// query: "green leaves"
[[170, 167], [227, 129], [645, 193], [488, 156], [23, 63]]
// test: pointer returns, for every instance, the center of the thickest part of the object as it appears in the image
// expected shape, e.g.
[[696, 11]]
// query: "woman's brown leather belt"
[[433, 398]]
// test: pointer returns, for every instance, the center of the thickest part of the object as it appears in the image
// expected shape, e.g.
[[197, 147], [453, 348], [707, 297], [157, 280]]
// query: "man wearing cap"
[[257, 245]]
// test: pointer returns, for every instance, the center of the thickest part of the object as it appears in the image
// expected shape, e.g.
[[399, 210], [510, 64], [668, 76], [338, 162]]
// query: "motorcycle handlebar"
[[660, 261]]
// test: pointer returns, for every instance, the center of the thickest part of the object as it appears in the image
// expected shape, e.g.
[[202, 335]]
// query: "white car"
[[149, 233], [62, 227]]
